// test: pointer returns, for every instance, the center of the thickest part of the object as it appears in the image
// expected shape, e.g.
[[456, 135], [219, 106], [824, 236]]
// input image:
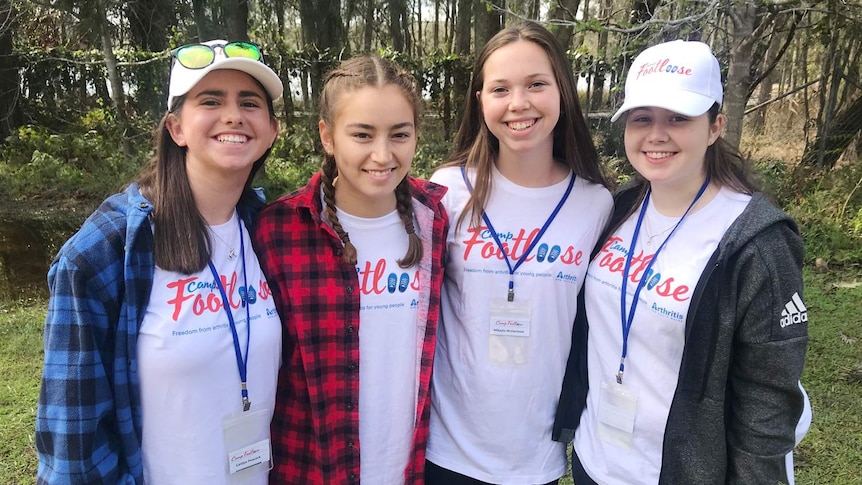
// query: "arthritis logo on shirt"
[[515, 245], [205, 296], [376, 281], [613, 257]]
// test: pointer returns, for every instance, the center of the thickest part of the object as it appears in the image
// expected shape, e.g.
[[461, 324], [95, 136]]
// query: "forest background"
[[83, 84]]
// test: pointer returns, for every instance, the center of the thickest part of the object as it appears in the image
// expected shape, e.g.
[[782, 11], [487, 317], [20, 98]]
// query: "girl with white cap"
[[694, 329], [153, 371]]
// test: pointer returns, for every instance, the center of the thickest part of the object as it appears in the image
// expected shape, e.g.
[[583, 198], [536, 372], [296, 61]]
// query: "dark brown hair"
[[353, 74], [477, 148], [181, 241]]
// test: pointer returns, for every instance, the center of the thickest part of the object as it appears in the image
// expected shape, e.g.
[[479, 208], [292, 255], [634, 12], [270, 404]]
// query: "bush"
[[84, 163], [826, 205]]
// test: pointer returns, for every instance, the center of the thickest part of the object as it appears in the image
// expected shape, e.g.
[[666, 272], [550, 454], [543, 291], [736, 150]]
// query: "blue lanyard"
[[628, 317], [512, 269], [241, 363]]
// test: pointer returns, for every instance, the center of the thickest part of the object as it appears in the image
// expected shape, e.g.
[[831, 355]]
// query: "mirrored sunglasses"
[[199, 56]]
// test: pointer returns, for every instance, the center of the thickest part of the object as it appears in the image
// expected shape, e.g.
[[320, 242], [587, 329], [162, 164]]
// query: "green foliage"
[[295, 157], [827, 207], [85, 162], [431, 152]]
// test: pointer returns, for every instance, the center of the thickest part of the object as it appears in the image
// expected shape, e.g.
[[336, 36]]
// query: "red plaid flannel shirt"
[[315, 428]]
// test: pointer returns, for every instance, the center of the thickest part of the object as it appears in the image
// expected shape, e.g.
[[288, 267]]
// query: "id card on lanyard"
[[246, 434], [510, 320], [617, 400]]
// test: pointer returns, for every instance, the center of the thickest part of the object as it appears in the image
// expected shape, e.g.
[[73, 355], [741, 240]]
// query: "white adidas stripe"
[[795, 305], [798, 301]]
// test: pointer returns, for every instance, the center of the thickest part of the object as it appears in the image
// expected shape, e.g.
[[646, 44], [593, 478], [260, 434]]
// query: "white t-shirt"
[[388, 346], [657, 335], [188, 369], [493, 410]]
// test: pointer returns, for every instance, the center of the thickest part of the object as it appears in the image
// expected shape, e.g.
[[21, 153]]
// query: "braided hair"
[[350, 75]]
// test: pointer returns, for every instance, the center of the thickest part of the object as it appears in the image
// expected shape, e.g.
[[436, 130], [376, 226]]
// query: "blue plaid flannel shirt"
[[88, 421]]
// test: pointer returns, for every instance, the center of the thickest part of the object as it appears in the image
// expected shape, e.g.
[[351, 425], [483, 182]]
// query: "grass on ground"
[[830, 454]]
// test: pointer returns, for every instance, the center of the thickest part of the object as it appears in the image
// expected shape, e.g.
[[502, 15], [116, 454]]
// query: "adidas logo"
[[794, 312]]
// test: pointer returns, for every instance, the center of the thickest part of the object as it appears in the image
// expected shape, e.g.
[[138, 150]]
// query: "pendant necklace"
[[650, 235], [231, 249]]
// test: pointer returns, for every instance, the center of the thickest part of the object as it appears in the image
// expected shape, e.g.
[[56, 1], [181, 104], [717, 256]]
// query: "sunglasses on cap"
[[199, 56]]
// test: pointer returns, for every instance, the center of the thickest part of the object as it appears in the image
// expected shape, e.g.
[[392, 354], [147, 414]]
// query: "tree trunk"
[[398, 24], [420, 28], [460, 78], [10, 79], [563, 10], [368, 31], [235, 14], [323, 32], [463, 27], [825, 151], [758, 120], [739, 70], [436, 25], [118, 98], [825, 130], [451, 13], [150, 24], [598, 83], [203, 22], [488, 20]]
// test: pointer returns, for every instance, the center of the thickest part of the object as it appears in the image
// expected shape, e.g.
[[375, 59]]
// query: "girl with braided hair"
[[354, 262]]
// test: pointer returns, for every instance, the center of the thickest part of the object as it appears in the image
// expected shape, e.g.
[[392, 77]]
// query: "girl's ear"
[[325, 136], [172, 123], [715, 129]]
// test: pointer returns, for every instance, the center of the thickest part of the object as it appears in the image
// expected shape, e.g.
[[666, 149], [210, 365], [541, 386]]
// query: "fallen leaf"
[[847, 284]]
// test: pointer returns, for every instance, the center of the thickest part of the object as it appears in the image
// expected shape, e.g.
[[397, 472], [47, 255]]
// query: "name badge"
[[509, 324], [248, 446], [618, 405]]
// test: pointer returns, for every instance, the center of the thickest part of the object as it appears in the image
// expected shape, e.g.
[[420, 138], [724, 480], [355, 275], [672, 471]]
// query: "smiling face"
[[668, 148], [224, 124], [520, 102], [372, 138]]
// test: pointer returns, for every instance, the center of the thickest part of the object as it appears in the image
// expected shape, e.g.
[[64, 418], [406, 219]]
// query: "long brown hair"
[[350, 75], [477, 148], [181, 241]]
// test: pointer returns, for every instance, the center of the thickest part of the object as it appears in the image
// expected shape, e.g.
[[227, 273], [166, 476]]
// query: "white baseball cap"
[[184, 79], [679, 76]]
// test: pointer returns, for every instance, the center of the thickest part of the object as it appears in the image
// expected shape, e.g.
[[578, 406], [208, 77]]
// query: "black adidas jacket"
[[737, 402]]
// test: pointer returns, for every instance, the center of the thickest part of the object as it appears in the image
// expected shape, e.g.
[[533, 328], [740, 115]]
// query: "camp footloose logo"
[[664, 66]]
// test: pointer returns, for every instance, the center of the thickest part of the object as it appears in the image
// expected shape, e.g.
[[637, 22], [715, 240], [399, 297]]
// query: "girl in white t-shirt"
[[694, 330], [527, 202], [162, 341]]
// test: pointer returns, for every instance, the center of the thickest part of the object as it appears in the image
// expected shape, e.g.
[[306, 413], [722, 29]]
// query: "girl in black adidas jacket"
[[698, 381]]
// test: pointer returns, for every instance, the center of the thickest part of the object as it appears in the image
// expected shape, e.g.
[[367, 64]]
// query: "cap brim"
[[183, 79], [682, 102]]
